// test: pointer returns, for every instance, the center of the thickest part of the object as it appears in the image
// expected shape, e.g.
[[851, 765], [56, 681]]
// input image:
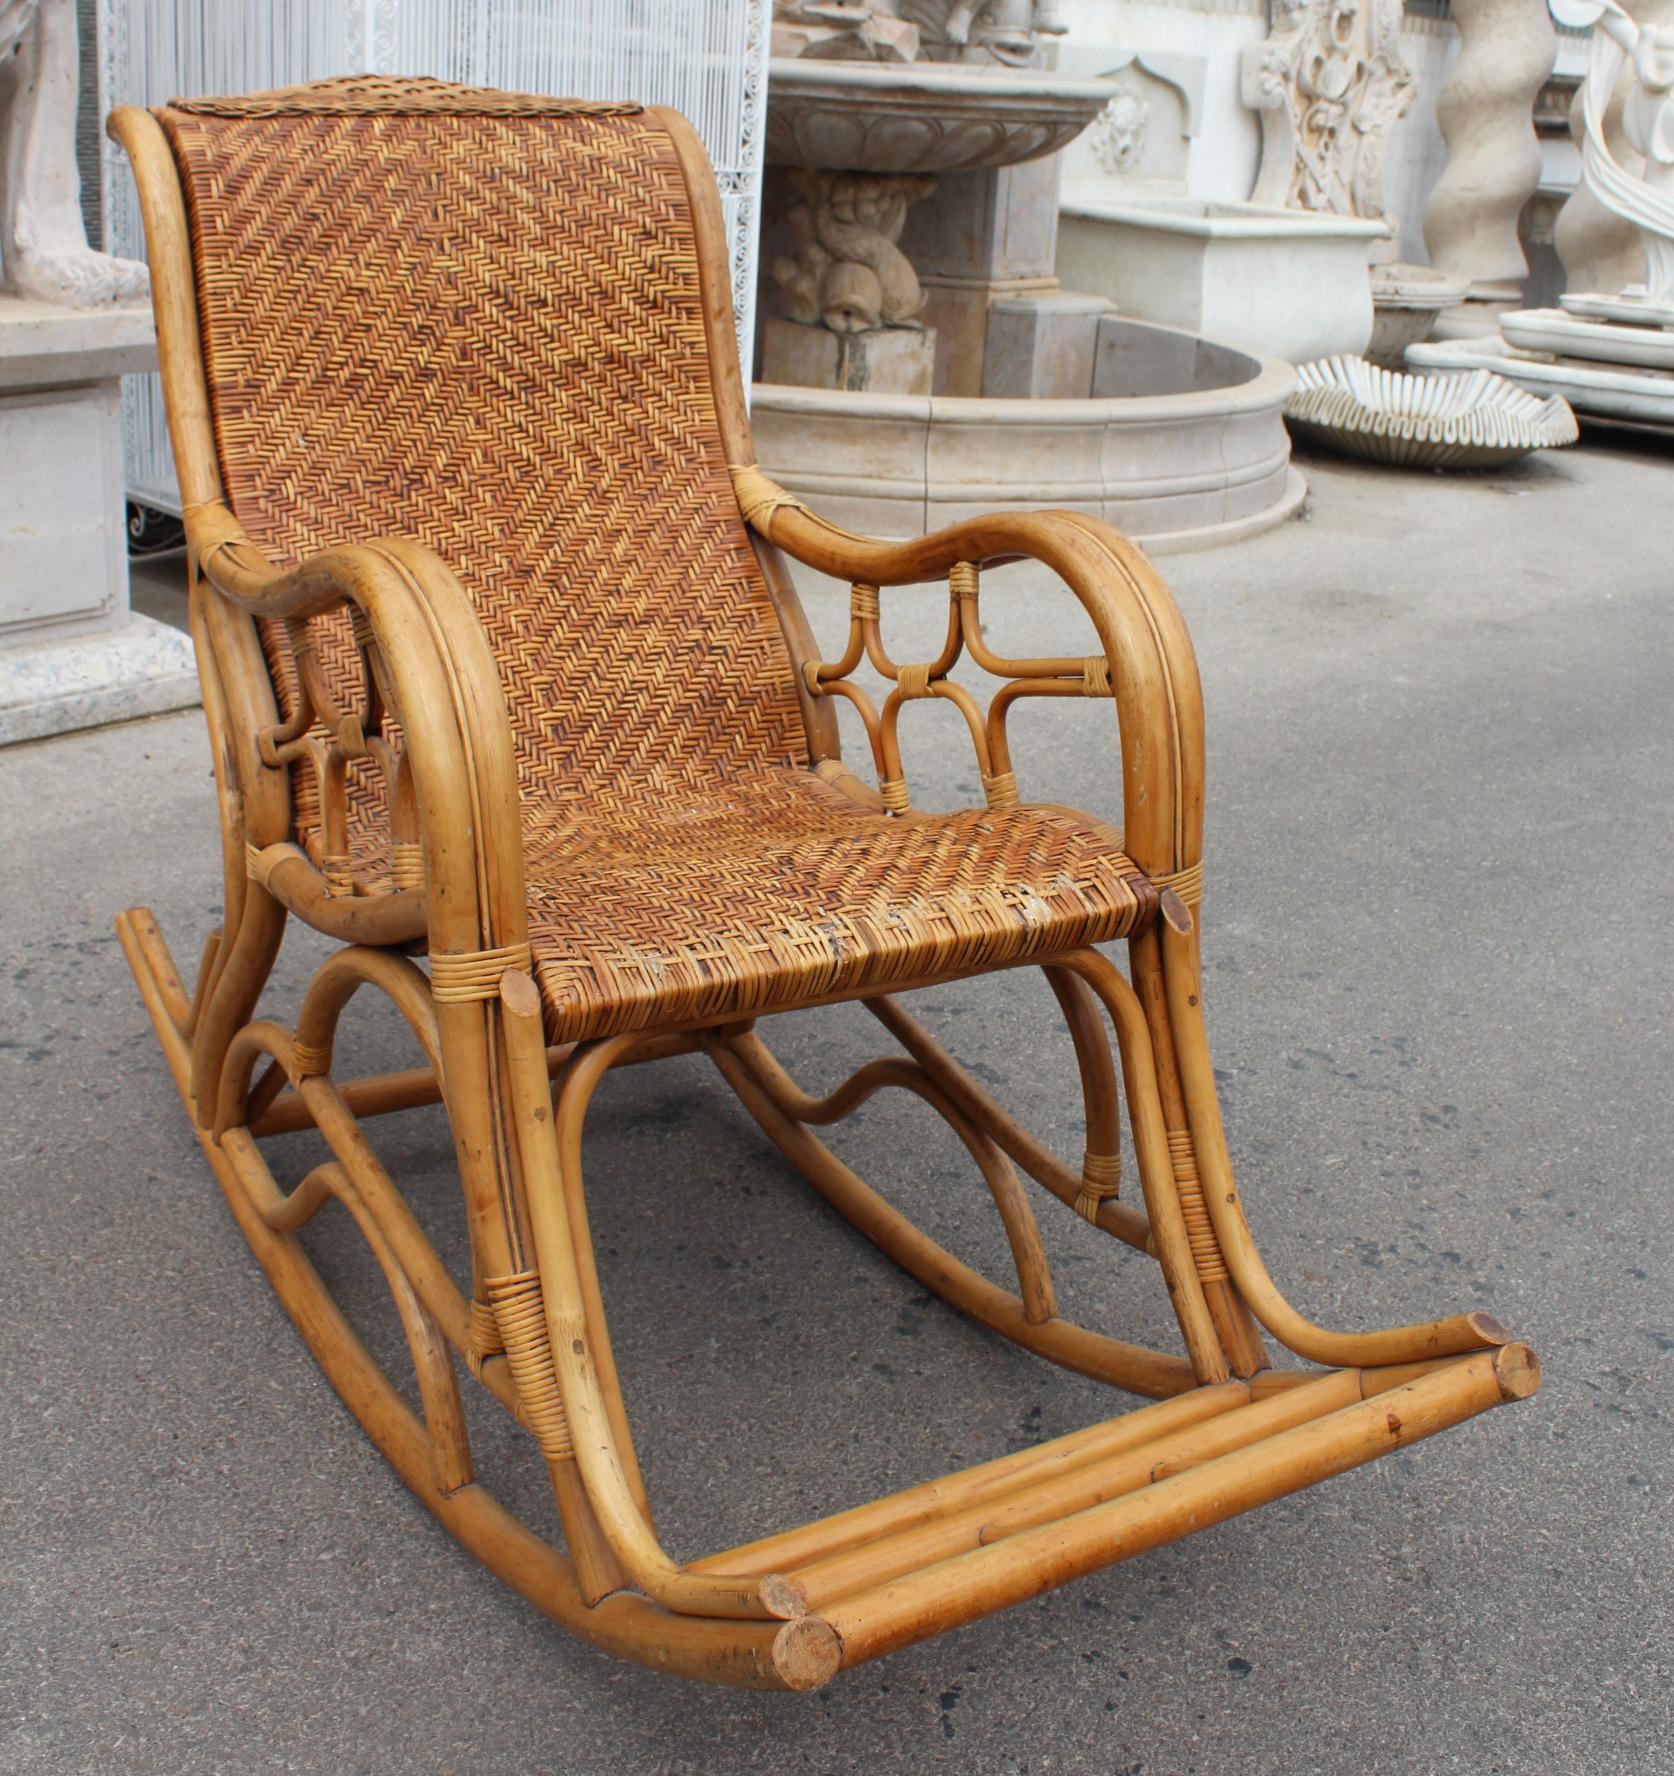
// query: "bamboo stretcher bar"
[[1112, 1360], [1096, 1475], [381, 1094], [991, 1480], [1117, 1218], [1034, 1278], [996, 1576]]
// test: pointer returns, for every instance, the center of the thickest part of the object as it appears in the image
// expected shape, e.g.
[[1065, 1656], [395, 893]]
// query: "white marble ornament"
[[1566, 335], [1474, 421], [1601, 391], [1329, 82], [1647, 201]]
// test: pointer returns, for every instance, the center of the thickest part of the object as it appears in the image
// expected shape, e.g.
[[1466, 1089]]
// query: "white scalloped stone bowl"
[[1474, 420]]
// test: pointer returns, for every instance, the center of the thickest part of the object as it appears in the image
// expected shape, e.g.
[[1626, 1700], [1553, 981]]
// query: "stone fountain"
[[921, 361]]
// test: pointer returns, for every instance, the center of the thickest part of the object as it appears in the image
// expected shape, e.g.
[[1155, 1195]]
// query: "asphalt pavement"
[[1441, 888]]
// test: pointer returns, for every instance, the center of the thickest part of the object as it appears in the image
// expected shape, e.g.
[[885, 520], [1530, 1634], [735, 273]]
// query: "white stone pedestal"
[[72, 654]]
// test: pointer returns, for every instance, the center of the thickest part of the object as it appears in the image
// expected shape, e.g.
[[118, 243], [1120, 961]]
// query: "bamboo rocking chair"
[[533, 725]]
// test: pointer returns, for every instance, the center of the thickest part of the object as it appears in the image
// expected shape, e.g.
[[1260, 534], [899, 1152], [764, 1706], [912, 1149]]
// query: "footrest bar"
[[1039, 1559]]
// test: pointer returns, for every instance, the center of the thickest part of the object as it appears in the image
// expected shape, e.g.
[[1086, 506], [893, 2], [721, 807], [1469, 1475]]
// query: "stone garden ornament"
[[73, 322], [1007, 32], [1646, 201], [847, 271], [1608, 354], [43, 244], [1474, 420], [1330, 84]]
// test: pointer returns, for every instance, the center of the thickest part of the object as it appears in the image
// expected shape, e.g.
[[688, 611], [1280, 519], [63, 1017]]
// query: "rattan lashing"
[[535, 701]]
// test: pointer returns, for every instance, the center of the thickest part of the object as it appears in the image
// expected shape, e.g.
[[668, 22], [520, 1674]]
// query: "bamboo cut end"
[[1518, 1370], [1488, 1329], [783, 1597], [519, 994], [807, 1653]]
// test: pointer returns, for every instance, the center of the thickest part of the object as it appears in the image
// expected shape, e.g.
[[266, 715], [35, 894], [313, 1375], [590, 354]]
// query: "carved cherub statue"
[[1647, 200], [43, 243], [843, 31], [1005, 31]]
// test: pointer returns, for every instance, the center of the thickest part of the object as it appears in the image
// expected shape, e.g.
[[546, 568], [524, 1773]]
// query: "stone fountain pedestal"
[[911, 215], [884, 360], [72, 653]]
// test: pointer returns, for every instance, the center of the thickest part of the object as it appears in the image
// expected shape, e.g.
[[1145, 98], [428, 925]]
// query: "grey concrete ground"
[[1441, 852]]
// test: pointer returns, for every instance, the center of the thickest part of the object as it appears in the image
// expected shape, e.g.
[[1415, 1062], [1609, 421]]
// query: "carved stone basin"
[[922, 117], [1181, 444]]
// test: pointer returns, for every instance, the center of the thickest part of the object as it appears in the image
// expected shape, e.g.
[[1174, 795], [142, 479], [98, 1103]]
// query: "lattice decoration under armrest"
[[331, 742], [1066, 677]]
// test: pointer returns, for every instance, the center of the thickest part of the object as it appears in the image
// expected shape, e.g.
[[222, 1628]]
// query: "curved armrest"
[[446, 688], [1153, 671]]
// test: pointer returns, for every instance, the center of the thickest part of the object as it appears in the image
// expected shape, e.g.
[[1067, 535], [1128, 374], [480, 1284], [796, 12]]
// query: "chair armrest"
[[1153, 671], [439, 674]]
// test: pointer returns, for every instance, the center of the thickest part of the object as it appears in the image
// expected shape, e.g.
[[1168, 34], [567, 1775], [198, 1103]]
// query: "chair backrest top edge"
[[392, 95]]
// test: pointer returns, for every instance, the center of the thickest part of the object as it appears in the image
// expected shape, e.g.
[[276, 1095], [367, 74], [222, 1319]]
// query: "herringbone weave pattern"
[[475, 320]]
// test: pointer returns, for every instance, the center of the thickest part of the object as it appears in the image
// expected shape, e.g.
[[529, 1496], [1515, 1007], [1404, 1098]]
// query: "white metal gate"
[[706, 58]]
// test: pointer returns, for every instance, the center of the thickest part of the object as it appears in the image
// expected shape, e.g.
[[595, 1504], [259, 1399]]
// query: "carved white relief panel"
[[1330, 82], [1143, 136]]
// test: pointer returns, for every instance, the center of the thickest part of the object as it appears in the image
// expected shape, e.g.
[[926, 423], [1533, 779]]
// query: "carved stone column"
[[1486, 116]]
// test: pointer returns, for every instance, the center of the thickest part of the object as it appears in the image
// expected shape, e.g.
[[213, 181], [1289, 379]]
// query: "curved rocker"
[[583, 807]]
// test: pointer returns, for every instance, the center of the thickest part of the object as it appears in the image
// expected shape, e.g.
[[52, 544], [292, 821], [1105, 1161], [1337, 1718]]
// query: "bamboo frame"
[[1227, 1431]]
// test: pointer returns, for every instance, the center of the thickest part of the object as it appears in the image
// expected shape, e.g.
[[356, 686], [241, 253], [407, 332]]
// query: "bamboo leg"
[[798, 1655], [228, 802], [203, 978], [773, 1654], [1156, 1171], [1236, 1329], [1433, 1338], [551, 1179], [1127, 1366], [1103, 1157], [249, 960]]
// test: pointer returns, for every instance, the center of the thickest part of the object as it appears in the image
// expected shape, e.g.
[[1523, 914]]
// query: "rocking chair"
[[533, 725]]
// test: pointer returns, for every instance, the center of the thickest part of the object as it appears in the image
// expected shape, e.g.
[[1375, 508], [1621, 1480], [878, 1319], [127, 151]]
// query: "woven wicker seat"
[[782, 890], [510, 693]]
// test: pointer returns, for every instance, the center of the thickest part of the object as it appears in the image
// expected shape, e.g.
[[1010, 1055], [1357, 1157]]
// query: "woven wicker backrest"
[[474, 319]]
